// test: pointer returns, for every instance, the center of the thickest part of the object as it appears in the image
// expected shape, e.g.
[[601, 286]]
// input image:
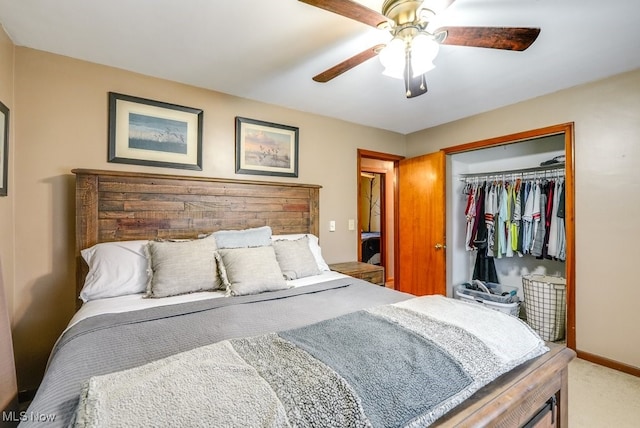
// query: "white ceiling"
[[268, 50]]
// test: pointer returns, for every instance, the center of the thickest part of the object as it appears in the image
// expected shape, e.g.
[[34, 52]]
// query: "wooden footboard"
[[515, 398]]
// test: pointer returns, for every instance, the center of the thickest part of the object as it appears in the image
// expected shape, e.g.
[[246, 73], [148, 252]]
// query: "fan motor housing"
[[401, 12]]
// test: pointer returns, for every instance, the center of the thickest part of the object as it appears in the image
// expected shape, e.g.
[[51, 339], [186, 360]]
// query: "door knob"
[[440, 246]]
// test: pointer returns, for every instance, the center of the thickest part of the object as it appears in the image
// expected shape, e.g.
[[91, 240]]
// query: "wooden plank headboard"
[[120, 206]]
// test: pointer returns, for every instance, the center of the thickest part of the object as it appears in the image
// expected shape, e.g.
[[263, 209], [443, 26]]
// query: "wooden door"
[[421, 262]]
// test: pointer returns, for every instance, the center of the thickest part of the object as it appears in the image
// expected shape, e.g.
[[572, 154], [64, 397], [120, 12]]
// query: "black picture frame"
[[153, 133], [266, 148], [4, 149]]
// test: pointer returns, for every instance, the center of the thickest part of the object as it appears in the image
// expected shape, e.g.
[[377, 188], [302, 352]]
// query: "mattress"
[[132, 339]]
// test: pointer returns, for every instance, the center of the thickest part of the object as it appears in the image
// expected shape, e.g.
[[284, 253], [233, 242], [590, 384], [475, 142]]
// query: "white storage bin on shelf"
[[545, 305], [497, 297]]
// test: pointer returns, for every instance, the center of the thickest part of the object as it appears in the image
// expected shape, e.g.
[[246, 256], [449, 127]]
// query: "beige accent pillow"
[[251, 270], [314, 245], [182, 267], [295, 258]]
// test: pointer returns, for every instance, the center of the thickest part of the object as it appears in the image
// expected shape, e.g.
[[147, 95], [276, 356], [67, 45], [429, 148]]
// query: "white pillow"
[[313, 245], [115, 269]]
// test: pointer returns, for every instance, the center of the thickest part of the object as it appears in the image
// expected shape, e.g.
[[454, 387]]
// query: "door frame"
[[570, 264], [370, 154]]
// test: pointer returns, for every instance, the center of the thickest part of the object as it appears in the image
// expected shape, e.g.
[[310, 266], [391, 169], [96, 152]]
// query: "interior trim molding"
[[606, 362]]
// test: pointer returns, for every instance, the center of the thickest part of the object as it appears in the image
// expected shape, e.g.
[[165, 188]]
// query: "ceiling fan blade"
[[350, 9], [347, 64], [508, 38]]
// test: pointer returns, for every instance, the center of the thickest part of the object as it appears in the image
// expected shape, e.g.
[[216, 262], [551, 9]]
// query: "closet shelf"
[[520, 171]]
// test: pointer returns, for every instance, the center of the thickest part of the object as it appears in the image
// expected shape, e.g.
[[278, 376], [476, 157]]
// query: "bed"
[[153, 361]]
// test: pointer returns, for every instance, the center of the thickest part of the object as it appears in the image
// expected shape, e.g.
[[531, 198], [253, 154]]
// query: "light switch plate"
[[352, 224], [332, 226]]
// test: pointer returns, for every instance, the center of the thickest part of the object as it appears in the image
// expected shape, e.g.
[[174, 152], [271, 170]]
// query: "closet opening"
[[540, 159]]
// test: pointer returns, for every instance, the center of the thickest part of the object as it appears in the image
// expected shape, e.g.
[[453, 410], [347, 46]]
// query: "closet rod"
[[515, 171]]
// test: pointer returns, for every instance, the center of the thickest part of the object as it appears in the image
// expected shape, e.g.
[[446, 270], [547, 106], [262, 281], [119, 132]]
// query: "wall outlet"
[[332, 226], [352, 224]]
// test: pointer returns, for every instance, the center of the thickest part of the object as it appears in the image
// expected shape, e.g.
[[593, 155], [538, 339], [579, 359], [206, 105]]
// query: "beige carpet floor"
[[600, 397]]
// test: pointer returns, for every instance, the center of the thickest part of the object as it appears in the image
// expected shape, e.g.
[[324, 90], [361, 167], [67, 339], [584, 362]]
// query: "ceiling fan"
[[410, 53]]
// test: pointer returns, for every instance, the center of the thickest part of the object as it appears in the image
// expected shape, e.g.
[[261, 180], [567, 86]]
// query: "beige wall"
[[607, 198], [61, 123], [8, 388], [7, 202]]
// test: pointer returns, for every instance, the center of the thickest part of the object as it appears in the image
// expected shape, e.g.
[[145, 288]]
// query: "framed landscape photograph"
[[4, 148], [153, 133], [266, 148]]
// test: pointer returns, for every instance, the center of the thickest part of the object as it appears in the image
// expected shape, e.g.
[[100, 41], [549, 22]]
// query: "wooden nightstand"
[[365, 271]]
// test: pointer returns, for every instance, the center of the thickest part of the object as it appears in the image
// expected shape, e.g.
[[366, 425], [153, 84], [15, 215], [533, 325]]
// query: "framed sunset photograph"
[[266, 148]]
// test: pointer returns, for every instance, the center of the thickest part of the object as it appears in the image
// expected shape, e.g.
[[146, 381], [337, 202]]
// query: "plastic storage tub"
[[501, 298]]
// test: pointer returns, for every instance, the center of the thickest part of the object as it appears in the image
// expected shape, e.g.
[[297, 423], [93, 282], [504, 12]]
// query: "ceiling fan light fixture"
[[420, 51], [393, 57], [396, 73], [421, 67], [424, 50]]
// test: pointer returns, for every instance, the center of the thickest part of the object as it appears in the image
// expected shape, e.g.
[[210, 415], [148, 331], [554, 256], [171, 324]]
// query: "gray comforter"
[[113, 342], [338, 354]]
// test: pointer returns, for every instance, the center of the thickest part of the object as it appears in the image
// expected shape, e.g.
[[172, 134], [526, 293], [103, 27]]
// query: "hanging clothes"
[[490, 208], [516, 217], [549, 213], [562, 236], [470, 213], [541, 232], [557, 238], [480, 237], [479, 213], [507, 224], [511, 216], [552, 245], [523, 200], [484, 269], [503, 217], [536, 213], [497, 186], [527, 220]]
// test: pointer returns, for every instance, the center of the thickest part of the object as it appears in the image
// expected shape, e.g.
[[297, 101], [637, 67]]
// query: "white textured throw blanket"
[[404, 364]]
